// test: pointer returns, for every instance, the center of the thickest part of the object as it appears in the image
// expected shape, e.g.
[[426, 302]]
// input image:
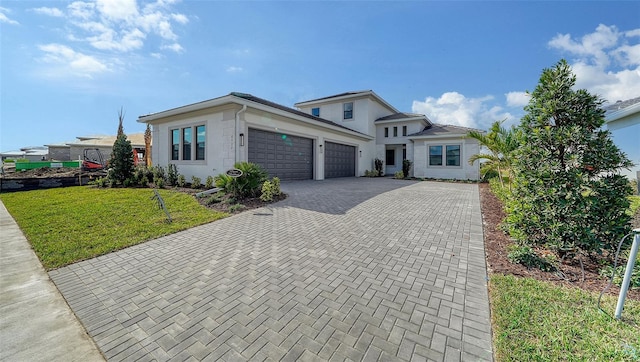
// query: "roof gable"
[[347, 96]]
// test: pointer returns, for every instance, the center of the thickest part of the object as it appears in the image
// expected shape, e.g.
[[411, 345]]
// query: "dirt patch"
[[497, 241], [48, 172]]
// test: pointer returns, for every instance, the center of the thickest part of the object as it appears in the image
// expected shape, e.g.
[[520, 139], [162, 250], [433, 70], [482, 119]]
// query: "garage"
[[282, 155], [339, 160]]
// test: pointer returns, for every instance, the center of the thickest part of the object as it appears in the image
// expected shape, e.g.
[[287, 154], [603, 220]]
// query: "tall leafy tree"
[[500, 143], [567, 191]]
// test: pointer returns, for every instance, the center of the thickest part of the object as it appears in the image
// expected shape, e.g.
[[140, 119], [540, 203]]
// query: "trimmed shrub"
[[378, 164], [406, 167], [196, 182], [209, 182], [270, 189], [247, 185]]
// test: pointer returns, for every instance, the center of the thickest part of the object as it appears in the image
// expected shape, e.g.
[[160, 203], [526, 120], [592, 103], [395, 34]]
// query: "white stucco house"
[[623, 120], [336, 136]]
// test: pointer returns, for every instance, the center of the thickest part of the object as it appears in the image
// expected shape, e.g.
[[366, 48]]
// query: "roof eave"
[[453, 135], [624, 112], [189, 108]]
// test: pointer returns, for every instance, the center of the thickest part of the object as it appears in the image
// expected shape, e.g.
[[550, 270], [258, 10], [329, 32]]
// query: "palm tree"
[[500, 143]]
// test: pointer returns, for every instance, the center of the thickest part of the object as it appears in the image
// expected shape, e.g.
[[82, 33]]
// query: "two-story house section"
[[336, 136]]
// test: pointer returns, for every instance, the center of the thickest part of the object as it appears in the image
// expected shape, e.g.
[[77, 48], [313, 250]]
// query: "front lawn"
[[66, 225], [539, 321]]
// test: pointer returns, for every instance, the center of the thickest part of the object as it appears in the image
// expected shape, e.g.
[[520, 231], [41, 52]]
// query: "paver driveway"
[[355, 268]]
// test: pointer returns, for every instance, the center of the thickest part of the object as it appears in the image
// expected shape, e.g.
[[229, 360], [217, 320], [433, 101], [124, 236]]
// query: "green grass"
[[539, 321], [66, 225]]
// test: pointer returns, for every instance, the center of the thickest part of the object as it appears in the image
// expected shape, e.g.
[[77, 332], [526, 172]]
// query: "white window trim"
[[344, 111], [444, 155], [194, 144]]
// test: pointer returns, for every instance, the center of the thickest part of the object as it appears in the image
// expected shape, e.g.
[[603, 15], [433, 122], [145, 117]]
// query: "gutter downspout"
[[235, 136]]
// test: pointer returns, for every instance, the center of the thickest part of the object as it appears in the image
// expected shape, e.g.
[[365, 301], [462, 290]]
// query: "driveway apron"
[[343, 269]]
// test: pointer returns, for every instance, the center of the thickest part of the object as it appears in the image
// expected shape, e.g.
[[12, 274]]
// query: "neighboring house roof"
[[623, 114], [622, 104], [442, 130], [26, 151], [347, 96], [136, 139], [254, 102]]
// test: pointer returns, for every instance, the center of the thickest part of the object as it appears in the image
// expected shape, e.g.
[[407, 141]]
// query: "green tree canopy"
[[567, 192]]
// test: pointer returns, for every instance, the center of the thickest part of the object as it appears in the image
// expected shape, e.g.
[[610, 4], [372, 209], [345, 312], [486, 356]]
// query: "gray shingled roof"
[[443, 130], [400, 115], [621, 104], [337, 96], [265, 102]]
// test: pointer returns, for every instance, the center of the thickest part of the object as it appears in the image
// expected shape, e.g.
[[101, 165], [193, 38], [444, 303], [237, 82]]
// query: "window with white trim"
[[404, 130], [315, 112], [348, 110], [188, 143], [386, 131], [445, 155], [175, 144]]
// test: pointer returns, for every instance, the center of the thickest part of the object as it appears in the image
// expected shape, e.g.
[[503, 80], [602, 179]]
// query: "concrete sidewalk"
[[36, 324]]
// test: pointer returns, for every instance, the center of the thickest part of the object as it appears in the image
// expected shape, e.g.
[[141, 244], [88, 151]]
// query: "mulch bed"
[[496, 242], [225, 204]]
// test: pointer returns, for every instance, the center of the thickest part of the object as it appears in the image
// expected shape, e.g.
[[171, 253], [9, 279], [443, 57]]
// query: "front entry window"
[[391, 158]]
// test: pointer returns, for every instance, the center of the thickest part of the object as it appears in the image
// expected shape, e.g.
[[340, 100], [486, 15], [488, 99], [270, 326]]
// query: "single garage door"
[[339, 160], [282, 155]]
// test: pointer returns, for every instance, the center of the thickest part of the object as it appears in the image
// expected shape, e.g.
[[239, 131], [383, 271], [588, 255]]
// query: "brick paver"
[[345, 269]]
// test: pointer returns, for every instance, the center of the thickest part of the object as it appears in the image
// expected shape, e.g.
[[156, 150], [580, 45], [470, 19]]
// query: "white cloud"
[[605, 62], [4, 18], [456, 109], [116, 10], [81, 10], [233, 69], [71, 62], [129, 40], [55, 12], [517, 99], [180, 18], [120, 25], [175, 47]]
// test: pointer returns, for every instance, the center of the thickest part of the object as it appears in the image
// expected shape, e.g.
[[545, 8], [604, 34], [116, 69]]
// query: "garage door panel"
[[339, 160], [287, 157]]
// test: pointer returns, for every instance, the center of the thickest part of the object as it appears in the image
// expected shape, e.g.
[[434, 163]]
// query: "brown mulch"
[[496, 242], [225, 203]]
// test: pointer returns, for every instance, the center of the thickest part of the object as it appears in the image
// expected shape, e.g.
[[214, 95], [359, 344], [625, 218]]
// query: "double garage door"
[[291, 157]]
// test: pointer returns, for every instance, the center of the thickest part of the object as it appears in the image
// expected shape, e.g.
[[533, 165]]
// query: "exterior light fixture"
[[360, 153], [241, 139]]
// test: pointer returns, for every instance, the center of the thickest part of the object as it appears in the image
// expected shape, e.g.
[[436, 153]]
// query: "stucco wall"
[[217, 148], [220, 148], [61, 153], [275, 123], [462, 172]]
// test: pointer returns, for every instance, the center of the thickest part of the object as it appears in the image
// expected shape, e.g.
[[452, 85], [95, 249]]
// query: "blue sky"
[[67, 67]]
